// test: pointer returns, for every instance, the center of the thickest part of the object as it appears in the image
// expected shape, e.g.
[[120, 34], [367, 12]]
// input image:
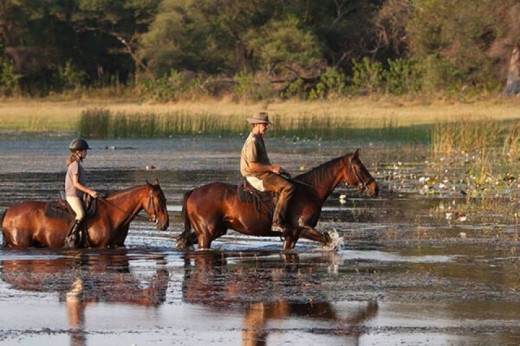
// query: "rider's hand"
[[284, 173]]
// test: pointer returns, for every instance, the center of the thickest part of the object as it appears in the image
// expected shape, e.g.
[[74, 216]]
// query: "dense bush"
[[171, 49]]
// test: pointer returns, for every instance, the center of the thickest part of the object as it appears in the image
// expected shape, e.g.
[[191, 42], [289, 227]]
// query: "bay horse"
[[26, 225], [213, 208]]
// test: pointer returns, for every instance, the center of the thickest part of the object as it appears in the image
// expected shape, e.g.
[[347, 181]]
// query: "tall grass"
[[102, 123], [482, 137], [489, 152]]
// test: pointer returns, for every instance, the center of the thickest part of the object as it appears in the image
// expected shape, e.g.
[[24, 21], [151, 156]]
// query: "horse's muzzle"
[[371, 190], [162, 226]]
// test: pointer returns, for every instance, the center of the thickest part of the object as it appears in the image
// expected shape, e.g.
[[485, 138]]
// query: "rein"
[[152, 218]]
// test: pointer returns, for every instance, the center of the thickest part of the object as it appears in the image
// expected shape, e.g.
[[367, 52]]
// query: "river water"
[[411, 271]]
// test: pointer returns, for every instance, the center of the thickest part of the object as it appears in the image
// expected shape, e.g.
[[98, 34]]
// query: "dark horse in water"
[[213, 208], [27, 225]]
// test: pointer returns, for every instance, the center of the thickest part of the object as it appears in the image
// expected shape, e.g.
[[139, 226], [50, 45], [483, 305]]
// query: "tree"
[[450, 40], [95, 37], [506, 46]]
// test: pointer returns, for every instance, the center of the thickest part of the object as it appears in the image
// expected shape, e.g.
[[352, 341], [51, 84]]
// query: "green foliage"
[[295, 88], [401, 77], [331, 85], [70, 78], [8, 78], [457, 47], [449, 40], [368, 77], [283, 44], [167, 88], [247, 87]]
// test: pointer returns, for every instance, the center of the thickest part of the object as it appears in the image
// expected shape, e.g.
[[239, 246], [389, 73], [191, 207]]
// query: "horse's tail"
[[186, 239]]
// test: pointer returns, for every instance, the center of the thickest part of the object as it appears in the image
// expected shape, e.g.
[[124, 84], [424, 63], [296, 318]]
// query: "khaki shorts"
[[256, 183]]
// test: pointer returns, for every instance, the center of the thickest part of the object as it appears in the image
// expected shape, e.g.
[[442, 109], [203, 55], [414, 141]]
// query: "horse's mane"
[[112, 193], [317, 175]]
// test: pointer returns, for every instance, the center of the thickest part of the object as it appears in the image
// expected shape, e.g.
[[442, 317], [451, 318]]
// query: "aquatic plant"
[[487, 155]]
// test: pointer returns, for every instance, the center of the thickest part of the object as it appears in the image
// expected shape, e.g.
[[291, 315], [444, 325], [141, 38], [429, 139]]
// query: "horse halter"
[[363, 184]]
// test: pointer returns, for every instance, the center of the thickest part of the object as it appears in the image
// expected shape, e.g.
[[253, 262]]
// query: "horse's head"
[[155, 206], [356, 174]]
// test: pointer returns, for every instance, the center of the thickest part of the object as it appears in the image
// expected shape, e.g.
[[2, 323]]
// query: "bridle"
[[363, 185], [153, 215]]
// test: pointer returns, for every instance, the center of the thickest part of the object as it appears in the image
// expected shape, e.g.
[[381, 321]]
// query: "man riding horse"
[[257, 169]]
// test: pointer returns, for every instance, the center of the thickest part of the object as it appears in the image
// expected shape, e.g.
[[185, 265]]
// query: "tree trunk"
[[513, 74]]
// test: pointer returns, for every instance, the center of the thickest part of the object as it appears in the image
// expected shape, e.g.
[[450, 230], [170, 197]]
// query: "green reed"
[[101, 123], [477, 137], [489, 153]]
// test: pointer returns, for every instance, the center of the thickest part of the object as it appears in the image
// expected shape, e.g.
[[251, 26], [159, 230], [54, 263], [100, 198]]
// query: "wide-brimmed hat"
[[259, 118]]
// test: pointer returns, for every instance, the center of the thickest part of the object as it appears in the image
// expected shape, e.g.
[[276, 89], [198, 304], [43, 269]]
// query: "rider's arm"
[[82, 188], [255, 166]]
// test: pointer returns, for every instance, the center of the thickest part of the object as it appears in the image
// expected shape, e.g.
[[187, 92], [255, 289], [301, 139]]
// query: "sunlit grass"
[[102, 123], [357, 113], [500, 139], [488, 152]]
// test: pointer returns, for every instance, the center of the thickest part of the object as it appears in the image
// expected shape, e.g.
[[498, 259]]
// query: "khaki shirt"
[[253, 151]]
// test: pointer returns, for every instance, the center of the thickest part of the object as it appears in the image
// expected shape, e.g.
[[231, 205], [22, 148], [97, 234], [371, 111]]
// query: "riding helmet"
[[78, 144]]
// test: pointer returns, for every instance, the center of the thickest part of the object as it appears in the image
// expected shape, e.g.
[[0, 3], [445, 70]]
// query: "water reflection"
[[82, 278], [269, 291]]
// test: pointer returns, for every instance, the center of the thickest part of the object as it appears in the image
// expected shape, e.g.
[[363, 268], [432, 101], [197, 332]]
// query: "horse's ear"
[[356, 153], [155, 182]]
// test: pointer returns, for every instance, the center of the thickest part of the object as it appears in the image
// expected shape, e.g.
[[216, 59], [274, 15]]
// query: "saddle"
[[61, 209], [248, 194]]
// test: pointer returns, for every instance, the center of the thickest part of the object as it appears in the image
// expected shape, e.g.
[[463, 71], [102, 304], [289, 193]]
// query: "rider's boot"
[[73, 236]]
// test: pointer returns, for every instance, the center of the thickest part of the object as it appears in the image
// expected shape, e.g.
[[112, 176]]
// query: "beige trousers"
[[77, 206]]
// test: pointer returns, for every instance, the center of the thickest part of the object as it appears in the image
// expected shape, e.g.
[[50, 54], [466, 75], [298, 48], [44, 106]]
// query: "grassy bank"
[[47, 115]]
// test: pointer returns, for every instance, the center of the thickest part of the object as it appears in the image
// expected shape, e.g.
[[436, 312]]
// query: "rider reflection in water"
[[261, 174], [75, 187]]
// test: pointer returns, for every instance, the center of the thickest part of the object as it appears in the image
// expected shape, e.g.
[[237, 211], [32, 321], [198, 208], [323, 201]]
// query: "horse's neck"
[[127, 202], [323, 178]]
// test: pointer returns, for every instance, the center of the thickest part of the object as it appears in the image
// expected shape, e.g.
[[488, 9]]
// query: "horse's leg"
[[186, 240], [307, 232], [311, 233], [289, 242], [329, 240]]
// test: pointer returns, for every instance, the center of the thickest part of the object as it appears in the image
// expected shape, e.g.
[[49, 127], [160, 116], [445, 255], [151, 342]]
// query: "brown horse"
[[26, 225], [213, 208]]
